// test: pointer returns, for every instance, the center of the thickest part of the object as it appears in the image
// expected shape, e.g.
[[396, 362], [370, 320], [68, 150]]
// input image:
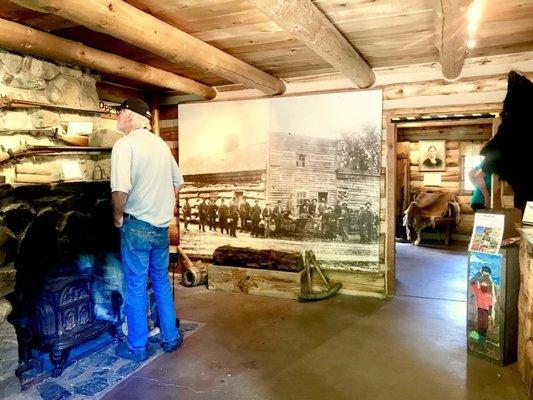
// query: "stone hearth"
[[55, 237]]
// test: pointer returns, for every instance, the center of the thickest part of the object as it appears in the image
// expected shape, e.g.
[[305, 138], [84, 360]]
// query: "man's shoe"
[[169, 347], [124, 351]]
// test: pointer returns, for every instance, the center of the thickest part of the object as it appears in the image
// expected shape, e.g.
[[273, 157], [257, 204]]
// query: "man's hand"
[[118, 221]]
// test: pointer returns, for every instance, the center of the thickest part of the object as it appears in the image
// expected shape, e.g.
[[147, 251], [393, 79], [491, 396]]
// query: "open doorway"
[[433, 160]]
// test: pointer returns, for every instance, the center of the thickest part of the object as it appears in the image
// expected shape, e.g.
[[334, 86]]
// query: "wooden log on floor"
[[260, 259], [261, 282]]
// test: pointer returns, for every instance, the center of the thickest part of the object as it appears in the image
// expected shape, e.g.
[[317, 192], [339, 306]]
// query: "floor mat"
[[95, 375]]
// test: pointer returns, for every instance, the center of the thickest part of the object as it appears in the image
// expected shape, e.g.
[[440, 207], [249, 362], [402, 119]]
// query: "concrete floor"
[[408, 348]]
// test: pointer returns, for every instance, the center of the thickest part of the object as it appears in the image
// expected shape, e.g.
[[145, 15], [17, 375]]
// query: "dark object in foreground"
[[261, 259], [310, 260], [508, 153]]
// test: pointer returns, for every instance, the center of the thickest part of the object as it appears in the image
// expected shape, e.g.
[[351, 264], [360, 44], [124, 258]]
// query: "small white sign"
[[528, 214], [432, 179], [71, 170], [80, 128]]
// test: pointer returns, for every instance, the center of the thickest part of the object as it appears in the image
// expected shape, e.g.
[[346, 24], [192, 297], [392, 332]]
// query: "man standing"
[[233, 217], [145, 179], [266, 217], [212, 209], [186, 214], [244, 213], [202, 215], [256, 218], [366, 223], [223, 217]]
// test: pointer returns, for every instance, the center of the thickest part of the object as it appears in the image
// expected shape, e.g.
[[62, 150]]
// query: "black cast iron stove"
[[64, 317]]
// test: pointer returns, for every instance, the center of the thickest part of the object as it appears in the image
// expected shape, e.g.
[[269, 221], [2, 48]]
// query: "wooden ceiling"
[[385, 33]]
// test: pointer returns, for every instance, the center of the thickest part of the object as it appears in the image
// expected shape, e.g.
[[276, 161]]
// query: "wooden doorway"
[[397, 173]]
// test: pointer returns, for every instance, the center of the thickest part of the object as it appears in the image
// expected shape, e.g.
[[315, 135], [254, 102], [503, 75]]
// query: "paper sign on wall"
[[432, 179], [79, 128], [71, 170]]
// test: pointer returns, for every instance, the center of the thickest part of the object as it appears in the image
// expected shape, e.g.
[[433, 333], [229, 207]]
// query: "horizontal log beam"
[[452, 34], [307, 23], [122, 20], [37, 43], [108, 91]]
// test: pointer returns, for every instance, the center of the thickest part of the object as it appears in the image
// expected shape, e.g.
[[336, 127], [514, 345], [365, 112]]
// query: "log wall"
[[459, 143], [285, 178]]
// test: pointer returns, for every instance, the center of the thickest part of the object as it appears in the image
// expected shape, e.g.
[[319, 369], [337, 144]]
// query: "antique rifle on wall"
[[54, 133], [28, 150]]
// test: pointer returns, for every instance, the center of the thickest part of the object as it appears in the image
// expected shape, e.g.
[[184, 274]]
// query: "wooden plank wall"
[[168, 131], [285, 178]]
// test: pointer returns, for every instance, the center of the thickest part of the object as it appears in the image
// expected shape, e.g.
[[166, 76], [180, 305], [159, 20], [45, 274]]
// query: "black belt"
[[128, 216]]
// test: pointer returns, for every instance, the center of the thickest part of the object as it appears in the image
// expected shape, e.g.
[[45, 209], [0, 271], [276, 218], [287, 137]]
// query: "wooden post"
[[390, 212], [496, 191], [123, 21], [155, 102], [451, 26], [41, 44]]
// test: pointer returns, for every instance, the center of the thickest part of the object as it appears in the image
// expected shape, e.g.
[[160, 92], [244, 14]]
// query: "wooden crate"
[[255, 281]]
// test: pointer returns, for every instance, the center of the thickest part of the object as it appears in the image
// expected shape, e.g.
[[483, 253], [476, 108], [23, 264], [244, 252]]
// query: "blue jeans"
[[144, 249]]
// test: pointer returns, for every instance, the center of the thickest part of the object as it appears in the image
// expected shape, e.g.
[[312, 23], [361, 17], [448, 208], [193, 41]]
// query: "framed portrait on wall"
[[432, 155]]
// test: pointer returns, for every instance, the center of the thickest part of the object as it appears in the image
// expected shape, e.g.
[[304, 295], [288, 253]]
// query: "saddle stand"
[[310, 261]]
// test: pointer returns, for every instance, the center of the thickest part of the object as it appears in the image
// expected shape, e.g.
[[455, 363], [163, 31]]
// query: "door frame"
[[394, 119]]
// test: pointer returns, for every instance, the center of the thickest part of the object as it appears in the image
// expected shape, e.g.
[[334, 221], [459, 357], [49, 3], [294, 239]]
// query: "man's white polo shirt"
[[143, 167]]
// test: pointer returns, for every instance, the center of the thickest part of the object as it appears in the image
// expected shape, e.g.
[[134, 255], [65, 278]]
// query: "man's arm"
[[472, 176], [120, 180], [118, 201], [480, 183]]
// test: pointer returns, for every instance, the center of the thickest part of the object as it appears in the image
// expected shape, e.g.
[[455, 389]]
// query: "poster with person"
[[484, 317]]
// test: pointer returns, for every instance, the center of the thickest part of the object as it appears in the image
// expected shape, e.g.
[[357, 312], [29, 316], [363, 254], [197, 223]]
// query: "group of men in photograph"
[[311, 217]]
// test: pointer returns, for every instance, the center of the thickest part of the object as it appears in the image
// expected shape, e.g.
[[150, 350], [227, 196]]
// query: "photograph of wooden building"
[[266, 199], [305, 186]]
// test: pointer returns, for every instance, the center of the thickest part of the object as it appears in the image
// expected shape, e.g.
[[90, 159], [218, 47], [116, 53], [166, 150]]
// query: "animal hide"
[[427, 209], [509, 153]]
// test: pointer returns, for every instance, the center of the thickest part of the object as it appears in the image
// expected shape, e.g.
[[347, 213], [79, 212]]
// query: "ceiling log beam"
[[31, 41], [307, 23], [121, 20], [452, 34]]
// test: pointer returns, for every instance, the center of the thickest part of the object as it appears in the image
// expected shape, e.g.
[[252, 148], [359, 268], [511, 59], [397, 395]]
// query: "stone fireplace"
[[60, 263], [61, 293]]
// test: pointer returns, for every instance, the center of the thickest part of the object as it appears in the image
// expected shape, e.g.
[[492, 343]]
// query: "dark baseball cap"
[[135, 105]]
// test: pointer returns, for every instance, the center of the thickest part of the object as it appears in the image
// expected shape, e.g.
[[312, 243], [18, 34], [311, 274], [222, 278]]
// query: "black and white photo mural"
[[288, 173]]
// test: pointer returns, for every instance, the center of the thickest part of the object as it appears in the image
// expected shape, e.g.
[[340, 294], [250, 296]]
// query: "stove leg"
[[58, 358]]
